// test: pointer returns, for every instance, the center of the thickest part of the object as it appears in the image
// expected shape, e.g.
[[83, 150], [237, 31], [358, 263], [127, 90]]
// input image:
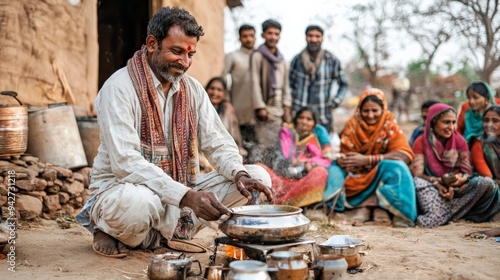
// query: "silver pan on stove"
[[265, 223]]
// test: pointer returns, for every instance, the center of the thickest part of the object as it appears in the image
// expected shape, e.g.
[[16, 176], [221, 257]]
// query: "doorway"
[[121, 32]]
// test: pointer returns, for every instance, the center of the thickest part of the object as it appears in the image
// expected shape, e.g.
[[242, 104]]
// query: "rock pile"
[[41, 189]]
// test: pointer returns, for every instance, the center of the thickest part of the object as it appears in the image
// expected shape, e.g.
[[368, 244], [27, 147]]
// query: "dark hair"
[[166, 17], [314, 27], [220, 109], [245, 27], [427, 104], [436, 117], [374, 99], [480, 88], [302, 110], [270, 23], [495, 108], [216, 79]]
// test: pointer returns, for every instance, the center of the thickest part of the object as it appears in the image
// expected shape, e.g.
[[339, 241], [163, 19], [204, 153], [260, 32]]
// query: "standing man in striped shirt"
[[312, 73]]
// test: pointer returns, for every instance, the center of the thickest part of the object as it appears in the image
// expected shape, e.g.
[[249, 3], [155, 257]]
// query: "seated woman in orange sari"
[[374, 172], [298, 169]]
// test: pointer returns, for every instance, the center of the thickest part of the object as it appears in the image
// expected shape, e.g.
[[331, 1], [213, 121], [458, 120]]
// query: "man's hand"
[[205, 205], [245, 185], [262, 115]]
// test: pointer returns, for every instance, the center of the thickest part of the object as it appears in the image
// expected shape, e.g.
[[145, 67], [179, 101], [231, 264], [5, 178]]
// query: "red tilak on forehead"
[[189, 48]]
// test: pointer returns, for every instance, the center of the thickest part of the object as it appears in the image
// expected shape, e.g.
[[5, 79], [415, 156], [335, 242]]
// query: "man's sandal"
[[116, 256]]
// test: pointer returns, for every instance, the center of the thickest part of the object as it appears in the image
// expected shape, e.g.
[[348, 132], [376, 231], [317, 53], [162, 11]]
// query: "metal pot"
[[341, 245], [167, 267], [89, 133], [54, 137], [248, 270], [13, 127], [265, 223]]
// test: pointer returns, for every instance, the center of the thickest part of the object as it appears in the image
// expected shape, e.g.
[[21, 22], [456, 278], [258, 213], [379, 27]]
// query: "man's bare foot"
[[484, 233], [108, 246]]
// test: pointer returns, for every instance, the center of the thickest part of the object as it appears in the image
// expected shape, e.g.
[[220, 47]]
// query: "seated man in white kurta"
[[152, 117]]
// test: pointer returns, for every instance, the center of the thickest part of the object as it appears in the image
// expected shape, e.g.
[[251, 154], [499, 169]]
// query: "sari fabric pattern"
[[439, 158], [389, 180], [300, 189], [381, 138]]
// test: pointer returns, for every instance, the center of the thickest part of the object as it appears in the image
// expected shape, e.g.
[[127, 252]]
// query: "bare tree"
[[478, 25], [427, 28], [371, 24]]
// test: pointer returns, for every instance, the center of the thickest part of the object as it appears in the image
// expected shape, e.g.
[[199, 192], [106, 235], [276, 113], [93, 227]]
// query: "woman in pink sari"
[[298, 169], [446, 189]]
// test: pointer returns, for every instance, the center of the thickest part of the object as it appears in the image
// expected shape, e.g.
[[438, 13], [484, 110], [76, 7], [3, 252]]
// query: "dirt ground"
[[46, 251]]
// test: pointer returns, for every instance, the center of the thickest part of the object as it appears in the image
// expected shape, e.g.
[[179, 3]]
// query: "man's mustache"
[[177, 66]]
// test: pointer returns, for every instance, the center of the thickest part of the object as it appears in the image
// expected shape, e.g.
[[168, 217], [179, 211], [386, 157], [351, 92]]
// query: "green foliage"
[[467, 72]]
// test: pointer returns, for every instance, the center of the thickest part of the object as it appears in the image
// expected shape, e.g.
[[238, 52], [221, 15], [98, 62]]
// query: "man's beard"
[[161, 68], [313, 47]]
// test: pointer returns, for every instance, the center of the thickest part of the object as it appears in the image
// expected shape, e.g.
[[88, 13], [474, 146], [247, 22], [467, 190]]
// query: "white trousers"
[[134, 215]]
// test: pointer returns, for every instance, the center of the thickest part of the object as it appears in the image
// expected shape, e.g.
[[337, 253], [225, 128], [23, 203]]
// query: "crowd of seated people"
[[449, 170]]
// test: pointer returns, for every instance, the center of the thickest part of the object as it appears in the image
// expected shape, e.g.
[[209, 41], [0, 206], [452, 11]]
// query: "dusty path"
[[45, 251]]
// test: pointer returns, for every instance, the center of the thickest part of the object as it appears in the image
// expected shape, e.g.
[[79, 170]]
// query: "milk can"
[[248, 270], [89, 133], [330, 267], [280, 256], [54, 137], [13, 127]]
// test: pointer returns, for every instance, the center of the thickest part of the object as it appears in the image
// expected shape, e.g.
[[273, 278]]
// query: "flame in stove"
[[235, 253]]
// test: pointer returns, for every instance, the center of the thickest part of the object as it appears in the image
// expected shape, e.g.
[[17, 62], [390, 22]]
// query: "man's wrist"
[[185, 199], [241, 174]]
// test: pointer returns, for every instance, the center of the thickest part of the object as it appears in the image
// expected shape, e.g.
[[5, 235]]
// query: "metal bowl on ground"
[[265, 223], [346, 246], [341, 245]]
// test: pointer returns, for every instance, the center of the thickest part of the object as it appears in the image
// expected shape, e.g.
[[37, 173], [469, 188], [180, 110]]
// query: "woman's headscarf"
[[474, 121], [439, 158], [362, 138], [383, 137], [491, 148]]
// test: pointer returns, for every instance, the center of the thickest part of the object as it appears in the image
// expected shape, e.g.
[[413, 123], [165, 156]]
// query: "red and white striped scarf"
[[179, 160]]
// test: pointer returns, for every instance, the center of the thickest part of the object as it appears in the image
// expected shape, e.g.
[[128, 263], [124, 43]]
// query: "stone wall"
[[42, 190]]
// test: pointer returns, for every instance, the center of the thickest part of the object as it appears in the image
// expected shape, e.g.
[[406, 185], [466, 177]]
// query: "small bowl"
[[341, 245], [448, 179]]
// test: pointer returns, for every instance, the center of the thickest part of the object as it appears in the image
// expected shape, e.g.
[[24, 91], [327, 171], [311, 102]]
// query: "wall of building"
[[49, 51]]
